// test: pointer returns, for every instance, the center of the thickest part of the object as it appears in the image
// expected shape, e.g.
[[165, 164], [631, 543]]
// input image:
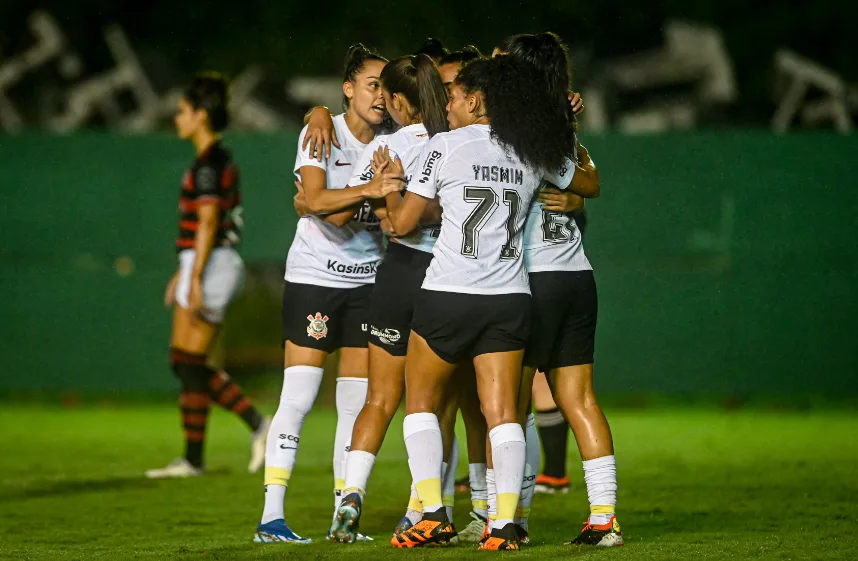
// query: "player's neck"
[[361, 130], [203, 139]]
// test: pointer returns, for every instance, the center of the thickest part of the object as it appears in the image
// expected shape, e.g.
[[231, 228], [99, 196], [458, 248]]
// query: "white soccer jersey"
[[485, 194], [552, 240], [406, 144], [323, 254]]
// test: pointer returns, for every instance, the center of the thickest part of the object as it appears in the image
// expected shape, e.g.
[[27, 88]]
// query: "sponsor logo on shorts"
[[337, 267], [386, 335], [318, 327]]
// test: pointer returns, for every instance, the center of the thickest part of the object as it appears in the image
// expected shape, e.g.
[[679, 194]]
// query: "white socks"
[[351, 395], [533, 455], [492, 498], [479, 490], [425, 454], [600, 475], [449, 478], [508, 450], [358, 467], [300, 387]]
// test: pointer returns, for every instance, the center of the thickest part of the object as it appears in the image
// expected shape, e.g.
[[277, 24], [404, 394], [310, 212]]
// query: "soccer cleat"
[[179, 468], [277, 531], [345, 526], [434, 529], [523, 536], [550, 485], [257, 446], [474, 531], [501, 539], [605, 535]]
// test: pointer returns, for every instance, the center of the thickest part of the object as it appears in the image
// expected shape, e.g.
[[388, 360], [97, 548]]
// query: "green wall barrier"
[[726, 262]]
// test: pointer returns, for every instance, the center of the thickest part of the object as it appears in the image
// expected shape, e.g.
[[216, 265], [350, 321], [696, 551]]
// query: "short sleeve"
[[561, 177], [363, 172], [304, 157], [206, 181], [425, 181]]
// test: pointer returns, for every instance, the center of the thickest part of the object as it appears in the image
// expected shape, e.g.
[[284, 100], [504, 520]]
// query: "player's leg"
[[427, 376], [476, 434], [191, 339], [306, 346], [532, 454], [498, 380], [554, 437], [447, 420], [224, 391], [571, 379]]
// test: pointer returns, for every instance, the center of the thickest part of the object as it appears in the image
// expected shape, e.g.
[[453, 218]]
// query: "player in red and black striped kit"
[[210, 273]]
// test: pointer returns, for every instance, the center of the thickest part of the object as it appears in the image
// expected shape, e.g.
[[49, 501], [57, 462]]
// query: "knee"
[[500, 414], [580, 403], [300, 388], [382, 403]]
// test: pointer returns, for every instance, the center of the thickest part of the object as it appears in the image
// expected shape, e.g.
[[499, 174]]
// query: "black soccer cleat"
[[605, 535]]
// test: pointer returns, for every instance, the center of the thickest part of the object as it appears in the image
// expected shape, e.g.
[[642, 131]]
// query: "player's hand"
[[320, 134], [195, 295], [382, 156], [301, 206], [170, 293], [577, 103], [384, 182], [555, 200]]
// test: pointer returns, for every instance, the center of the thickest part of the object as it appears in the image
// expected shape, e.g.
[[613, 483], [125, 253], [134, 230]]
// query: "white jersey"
[[406, 144], [552, 240], [323, 254], [485, 194]]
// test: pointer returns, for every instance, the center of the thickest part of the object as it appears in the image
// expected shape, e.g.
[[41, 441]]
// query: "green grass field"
[[693, 485]]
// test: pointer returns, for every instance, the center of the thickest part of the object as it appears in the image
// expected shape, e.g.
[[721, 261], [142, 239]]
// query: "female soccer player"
[[475, 304], [209, 275], [565, 305], [416, 99], [329, 275]]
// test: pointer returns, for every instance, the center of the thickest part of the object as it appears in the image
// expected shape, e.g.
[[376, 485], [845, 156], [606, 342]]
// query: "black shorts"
[[462, 326], [325, 318], [565, 306], [397, 286]]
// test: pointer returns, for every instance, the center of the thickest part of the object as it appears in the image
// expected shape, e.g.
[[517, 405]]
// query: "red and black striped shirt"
[[213, 177]]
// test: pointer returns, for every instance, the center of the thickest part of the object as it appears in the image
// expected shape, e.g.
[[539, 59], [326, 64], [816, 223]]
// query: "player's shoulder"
[[412, 134], [460, 137]]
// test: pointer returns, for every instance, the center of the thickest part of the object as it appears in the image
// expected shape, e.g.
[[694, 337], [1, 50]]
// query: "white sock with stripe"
[[425, 454], [300, 387], [508, 450], [532, 455], [600, 475], [351, 395], [479, 489]]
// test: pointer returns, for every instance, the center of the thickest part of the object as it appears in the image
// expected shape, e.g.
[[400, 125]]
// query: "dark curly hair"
[[525, 118], [464, 56], [210, 92], [356, 57], [433, 48], [547, 52], [417, 78]]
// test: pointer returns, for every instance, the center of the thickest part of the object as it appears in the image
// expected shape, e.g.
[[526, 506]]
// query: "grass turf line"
[[693, 485]]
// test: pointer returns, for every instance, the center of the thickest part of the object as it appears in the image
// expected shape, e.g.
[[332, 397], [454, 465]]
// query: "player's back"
[[485, 193]]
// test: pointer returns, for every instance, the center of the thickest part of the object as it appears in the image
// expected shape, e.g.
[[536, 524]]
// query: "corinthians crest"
[[318, 327]]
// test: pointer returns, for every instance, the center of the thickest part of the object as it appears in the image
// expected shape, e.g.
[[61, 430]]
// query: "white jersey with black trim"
[[323, 254], [485, 194], [552, 240], [407, 143]]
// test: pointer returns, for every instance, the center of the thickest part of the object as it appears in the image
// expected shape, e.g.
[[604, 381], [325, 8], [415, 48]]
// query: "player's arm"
[[320, 132], [339, 219], [321, 200], [208, 211], [406, 216], [585, 182], [555, 200]]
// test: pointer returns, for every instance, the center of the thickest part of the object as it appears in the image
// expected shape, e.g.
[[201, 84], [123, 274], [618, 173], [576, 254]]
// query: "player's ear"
[[473, 103], [348, 90], [396, 101]]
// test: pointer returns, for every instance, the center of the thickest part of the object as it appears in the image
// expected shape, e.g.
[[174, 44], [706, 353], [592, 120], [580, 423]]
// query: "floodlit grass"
[[693, 485]]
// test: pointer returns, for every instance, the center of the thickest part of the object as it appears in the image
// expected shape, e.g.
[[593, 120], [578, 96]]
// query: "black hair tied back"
[[356, 58], [210, 92]]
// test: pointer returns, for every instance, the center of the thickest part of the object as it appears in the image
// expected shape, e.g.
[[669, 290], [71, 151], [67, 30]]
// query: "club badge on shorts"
[[318, 327]]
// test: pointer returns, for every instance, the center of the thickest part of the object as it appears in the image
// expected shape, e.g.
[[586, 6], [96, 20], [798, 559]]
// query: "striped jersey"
[[213, 177]]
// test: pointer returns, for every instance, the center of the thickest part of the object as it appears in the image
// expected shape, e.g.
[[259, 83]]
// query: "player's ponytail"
[[416, 78], [525, 118], [464, 56], [356, 57], [210, 92], [432, 95]]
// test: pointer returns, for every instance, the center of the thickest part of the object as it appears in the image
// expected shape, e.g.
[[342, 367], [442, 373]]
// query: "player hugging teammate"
[[504, 183]]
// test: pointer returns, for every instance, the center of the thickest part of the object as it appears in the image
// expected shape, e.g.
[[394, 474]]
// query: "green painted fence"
[[727, 262]]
